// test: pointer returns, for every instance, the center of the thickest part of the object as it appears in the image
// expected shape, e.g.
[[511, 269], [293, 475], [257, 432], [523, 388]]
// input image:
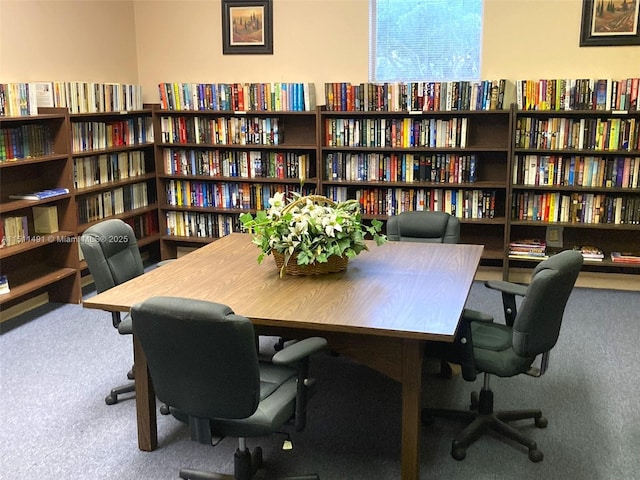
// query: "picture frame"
[[247, 27], [610, 23]]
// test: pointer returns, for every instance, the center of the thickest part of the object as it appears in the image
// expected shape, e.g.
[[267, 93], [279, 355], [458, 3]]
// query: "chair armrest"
[[125, 327], [507, 287], [476, 316], [299, 350]]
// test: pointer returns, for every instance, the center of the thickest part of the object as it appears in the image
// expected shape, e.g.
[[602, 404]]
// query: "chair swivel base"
[[112, 398], [246, 464], [482, 418]]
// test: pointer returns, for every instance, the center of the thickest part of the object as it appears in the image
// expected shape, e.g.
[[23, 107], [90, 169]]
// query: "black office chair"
[[203, 361], [510, 349], [423, 226], [111, 252]]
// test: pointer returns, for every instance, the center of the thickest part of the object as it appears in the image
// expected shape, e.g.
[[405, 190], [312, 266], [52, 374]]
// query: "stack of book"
[[626, 257], [528, 249], [590, 253]]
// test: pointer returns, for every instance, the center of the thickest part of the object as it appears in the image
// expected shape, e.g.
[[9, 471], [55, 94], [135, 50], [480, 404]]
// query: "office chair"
[[203, 361], [111, 252], [423, 226], [509, 349]]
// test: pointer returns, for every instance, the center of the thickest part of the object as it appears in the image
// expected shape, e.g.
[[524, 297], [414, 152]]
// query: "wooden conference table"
[[379, 311]]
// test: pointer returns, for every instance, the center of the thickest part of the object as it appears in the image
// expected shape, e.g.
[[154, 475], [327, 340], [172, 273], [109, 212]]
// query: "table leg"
[[145, 401], [412, 353]]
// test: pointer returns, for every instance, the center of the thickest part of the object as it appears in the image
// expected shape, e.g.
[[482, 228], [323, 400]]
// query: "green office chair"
[[510, 349], [111, 252], [423, 226], [203, 361]]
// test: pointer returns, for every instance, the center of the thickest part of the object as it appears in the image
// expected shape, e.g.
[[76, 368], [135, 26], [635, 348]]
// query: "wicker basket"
[[334, 264]]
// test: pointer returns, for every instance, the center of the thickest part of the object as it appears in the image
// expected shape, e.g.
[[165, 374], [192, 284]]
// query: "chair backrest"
[[539, 318], [111, 251], [202, 357], [424, 226]]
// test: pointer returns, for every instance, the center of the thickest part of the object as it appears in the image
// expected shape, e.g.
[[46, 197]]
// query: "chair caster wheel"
[[164, 409], [458, 453], [111, 400], [535, 456], [541, 422]]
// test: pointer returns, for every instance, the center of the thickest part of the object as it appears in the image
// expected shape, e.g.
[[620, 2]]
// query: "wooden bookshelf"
[[39, 159], [576, 172], [395, 161], [214, 165], [114, 171]]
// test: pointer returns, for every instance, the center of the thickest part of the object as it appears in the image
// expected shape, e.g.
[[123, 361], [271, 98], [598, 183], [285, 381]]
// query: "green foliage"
[[313, 227]]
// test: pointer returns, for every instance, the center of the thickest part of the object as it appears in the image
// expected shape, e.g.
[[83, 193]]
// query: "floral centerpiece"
[[310, 231]]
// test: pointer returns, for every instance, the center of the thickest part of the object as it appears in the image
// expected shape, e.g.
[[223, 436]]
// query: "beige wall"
[[152, 41], [81, 40]]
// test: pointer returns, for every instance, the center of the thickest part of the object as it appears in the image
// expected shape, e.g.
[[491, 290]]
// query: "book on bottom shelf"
[[528, 249], [4, 284], [626, 257], [590, 252]]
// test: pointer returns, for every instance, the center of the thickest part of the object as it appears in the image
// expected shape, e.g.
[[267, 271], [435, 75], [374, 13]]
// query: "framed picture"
[[610, 22], [247, 27]]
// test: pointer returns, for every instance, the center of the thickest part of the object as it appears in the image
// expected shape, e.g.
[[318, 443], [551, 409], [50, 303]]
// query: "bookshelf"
[[575, 183], [114, 171], [213, 165], [393, 159], [36, 156]]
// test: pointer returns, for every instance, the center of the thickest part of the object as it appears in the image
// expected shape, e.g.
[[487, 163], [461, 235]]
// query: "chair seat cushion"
[[278, 385], [493, 350]]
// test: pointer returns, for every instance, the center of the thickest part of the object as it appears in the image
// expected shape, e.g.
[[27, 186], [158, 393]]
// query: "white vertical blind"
[[416, 40]]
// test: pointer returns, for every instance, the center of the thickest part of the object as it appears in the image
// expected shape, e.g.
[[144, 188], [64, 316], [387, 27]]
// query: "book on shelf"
[[4, 284], [40, 195], [626, 257], [528, 248], [590, 252], [45, 219]]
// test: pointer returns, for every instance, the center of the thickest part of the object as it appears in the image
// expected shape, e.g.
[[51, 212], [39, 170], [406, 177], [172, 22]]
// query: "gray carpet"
[[58, 362]]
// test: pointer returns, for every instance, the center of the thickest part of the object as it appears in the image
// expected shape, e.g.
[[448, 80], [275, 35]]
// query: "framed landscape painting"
[[247, 27], [610, 22]]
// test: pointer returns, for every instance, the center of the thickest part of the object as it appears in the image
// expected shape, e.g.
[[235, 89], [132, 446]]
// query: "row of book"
[[108, 167], [407, 167], [231, 195], [201, 224], [101, 205], [144, 225], [576, 170], [557, 133], [25, 141], [238, 163], [577, 94], [470, 204], [23, 98], [222, 130], [87, 136], [418, 96], [396, 132], [528, 248], [14, 230], [537, 249], [590, 208], [243, 97]]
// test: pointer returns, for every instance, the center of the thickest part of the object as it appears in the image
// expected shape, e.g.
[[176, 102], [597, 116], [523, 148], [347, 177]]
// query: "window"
[[415, 40]]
